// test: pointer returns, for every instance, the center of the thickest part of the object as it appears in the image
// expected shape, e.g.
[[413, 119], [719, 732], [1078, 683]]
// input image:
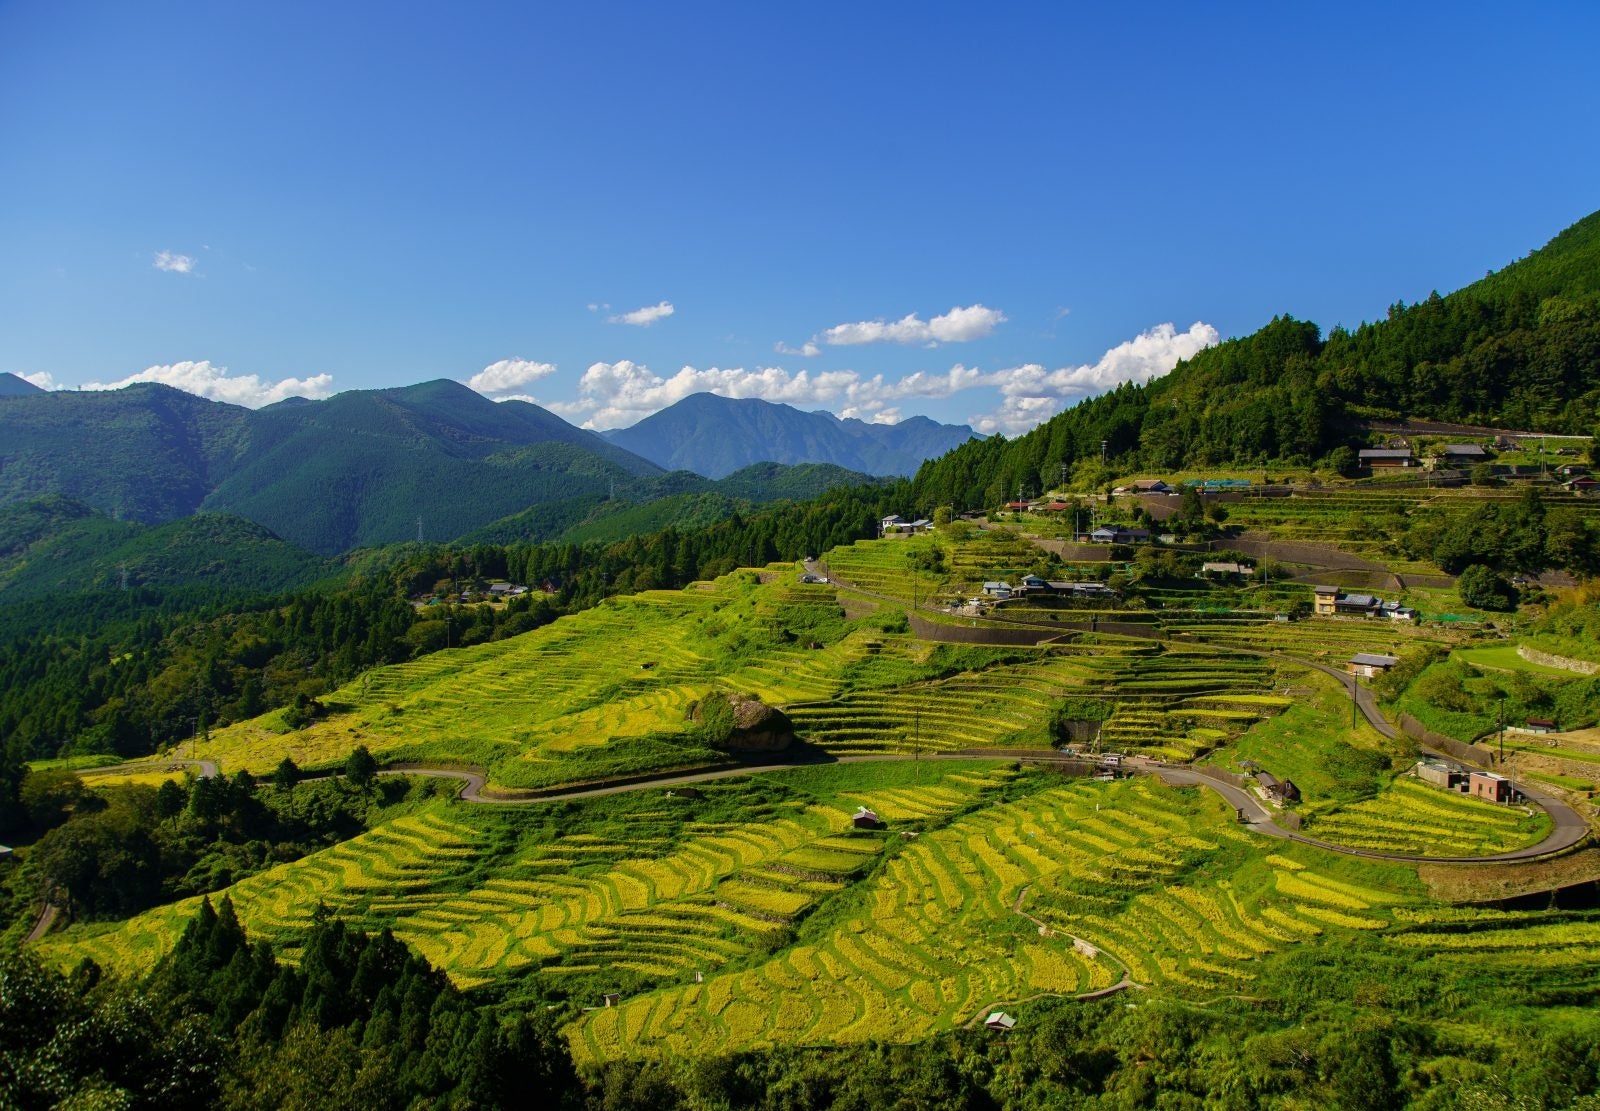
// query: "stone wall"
[[1562, 663], [1420, 733]]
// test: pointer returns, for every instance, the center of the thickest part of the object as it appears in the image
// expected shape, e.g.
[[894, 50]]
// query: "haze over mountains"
[[716, 436]]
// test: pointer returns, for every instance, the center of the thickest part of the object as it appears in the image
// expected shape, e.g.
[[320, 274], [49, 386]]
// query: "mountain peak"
[[12, 385], [716, 436]]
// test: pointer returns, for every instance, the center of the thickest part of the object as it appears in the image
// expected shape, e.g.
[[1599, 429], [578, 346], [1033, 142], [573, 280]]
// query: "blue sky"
[[975, 212]]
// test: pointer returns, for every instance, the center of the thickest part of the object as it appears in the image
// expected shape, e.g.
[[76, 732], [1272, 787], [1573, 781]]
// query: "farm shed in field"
[[999, 1020], [997, 589], [865, 819], [1541, 725], [1441, 775], [1150, 486], [1490, 787], [1225, 569], [1463, 453], [1267, 782], [1385, 457], [1369, 665]]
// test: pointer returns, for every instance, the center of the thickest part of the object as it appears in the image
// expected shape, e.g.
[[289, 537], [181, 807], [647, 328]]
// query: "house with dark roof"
[[1385, 457], [1360, 605], [1463, 454], [865, 819], [1369, 665], [1325, 600]]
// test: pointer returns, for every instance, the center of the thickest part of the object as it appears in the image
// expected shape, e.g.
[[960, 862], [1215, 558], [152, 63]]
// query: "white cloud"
[[508, 374], [216, 383], [43, 379], [173, 263], [1031, 394], [956, 326], [613, 395], [809, 349], [643, 318], [617, 394], [528, 397]]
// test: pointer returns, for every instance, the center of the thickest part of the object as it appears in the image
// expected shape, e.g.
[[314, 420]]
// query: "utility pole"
[[1502, 731], [419, 530]]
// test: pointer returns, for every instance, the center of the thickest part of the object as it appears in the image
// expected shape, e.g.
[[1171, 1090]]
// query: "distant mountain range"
[[359, 469], [715, 436]]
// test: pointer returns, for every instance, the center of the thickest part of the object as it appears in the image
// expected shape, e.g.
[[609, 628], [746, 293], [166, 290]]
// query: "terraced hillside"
[[1163, 701], [601, 692], [607, 692], [645, 890], [1158, 886], [751, 912], [1410, 816]]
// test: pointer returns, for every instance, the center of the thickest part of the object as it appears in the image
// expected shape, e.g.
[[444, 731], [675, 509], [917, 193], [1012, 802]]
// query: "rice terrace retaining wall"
[[1561, 663]]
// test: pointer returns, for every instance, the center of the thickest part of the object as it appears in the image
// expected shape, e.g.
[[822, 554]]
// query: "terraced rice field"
[[883, 566], [1410, 816], [1327, 640], [402, 863], [573, 905], [1011, 705], [535, 707], [1463, 939], [937, 939]]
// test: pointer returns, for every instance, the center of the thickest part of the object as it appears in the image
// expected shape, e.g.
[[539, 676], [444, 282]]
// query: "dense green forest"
[[358, 1022], [1519, 349]]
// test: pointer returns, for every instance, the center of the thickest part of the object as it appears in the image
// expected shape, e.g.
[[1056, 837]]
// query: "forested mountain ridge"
[[357, 469], [56, 546], [680, 499], [716, 436], [1518, 349]]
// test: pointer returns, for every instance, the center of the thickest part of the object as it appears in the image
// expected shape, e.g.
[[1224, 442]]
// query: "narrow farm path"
[[47, 919]]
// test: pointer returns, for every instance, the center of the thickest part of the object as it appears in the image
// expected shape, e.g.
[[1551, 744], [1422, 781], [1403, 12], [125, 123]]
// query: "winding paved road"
[[1569, 828]]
